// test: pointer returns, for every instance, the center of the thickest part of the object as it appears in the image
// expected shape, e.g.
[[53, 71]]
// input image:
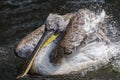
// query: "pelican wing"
[[28, 43]]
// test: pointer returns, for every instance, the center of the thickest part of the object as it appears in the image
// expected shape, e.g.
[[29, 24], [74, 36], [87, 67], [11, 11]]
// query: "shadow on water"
[[20, 17]]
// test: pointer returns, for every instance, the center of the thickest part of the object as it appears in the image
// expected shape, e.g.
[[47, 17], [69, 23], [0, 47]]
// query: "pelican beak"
[[47, 37]]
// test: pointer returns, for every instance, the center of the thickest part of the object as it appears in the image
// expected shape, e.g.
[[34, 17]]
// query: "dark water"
[[20, 17]]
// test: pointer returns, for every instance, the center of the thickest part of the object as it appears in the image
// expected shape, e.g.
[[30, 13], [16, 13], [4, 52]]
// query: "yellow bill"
[[51, 39]]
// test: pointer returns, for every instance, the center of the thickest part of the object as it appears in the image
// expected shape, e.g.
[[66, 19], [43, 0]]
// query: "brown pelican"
[[83, 46]]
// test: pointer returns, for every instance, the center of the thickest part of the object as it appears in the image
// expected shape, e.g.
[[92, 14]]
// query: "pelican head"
[[56, 23]]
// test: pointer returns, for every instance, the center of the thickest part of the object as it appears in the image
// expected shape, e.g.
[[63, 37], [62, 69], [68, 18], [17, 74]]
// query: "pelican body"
[[82, 47]]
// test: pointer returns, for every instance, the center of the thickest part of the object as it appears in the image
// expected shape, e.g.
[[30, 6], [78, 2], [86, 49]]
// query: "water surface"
[[20, 17]]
